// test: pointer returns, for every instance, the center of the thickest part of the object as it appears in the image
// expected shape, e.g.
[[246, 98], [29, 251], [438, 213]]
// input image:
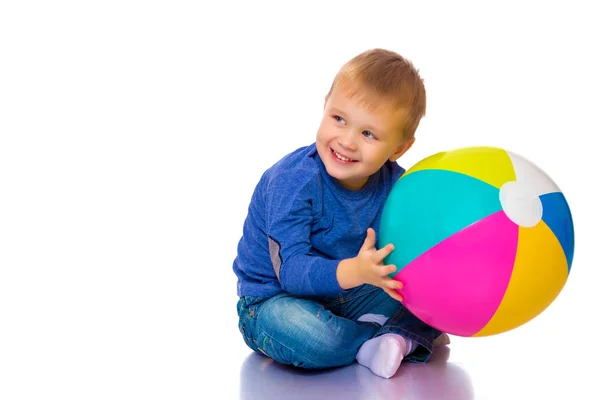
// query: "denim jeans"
[[318, 333]]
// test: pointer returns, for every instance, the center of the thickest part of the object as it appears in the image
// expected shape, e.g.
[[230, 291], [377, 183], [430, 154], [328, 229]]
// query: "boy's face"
[[354, 142]]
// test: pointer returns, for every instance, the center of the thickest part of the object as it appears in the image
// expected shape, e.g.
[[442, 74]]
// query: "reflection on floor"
[[262, 379]]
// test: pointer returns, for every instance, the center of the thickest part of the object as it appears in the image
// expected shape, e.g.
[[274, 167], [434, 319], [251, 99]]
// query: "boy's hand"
[[367, 267]]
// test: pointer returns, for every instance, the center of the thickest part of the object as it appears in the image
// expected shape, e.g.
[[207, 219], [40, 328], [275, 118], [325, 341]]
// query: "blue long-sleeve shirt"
[[301, 223]]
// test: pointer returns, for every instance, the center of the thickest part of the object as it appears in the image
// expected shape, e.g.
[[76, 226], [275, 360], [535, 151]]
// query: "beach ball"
[[483, 240]]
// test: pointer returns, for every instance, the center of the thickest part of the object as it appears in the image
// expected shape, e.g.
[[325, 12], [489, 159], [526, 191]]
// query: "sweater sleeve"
[[289, 217]]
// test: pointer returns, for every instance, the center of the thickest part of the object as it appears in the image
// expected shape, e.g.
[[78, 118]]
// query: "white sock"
[[383, 354], [379, 319]]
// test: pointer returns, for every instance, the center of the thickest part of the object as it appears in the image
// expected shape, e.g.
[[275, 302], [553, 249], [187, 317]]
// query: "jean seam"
[[338, 301], [409, 335], [294, 353], [390, 327], [254, 313], [357, 295]]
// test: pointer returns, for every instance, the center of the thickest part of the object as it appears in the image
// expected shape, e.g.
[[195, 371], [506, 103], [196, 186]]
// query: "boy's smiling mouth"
[[341, 157]]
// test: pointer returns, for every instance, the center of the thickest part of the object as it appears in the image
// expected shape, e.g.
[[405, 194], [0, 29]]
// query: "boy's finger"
[[388, 269], [382, 253], [392, 283], [370, 239], [393, 294]]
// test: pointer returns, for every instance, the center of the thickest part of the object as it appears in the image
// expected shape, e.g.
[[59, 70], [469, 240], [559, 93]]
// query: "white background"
[[132, 134]]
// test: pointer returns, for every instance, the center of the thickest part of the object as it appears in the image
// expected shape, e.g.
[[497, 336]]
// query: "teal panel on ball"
[[427, 206]]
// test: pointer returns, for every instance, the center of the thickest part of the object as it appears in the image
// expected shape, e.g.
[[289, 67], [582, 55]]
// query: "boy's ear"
[[403, 148]]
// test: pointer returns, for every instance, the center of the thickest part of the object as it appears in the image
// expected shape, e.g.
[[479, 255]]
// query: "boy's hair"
[[385, 74]]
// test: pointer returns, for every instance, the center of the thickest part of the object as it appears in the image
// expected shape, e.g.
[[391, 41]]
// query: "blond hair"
[[385, 75]]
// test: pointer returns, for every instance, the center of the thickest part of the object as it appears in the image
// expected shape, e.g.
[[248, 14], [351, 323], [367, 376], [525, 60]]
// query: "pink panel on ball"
[[457, 285]]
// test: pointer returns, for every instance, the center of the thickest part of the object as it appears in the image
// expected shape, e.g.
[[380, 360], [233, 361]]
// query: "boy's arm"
[[289, 218], [347, 275]]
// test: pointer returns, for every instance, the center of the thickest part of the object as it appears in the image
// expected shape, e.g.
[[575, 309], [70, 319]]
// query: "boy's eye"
[[369, 134], [339, 119]]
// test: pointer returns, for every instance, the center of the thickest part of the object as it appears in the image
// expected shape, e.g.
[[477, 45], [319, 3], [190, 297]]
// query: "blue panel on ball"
[[427, 206], [557, 215]]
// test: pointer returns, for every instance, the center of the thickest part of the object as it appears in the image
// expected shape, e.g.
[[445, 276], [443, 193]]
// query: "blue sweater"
[[301, 223]]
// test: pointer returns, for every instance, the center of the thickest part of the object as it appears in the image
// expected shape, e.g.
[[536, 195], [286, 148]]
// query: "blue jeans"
[[318, 333]]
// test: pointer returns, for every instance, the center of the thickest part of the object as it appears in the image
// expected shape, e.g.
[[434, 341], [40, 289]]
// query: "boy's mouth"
[[341, 157]]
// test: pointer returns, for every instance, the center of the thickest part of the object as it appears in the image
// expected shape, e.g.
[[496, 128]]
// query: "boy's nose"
[[348, 141]]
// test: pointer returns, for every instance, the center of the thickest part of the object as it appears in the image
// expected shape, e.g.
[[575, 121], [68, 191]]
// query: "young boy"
[[313, 289]]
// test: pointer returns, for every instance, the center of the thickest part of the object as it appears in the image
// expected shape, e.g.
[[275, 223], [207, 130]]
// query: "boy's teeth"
[[338, 155]]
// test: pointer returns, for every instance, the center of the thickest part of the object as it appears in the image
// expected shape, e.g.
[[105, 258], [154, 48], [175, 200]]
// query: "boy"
[[313, 289]]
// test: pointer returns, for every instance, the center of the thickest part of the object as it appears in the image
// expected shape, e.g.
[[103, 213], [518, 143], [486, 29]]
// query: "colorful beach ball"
[[483, 240]]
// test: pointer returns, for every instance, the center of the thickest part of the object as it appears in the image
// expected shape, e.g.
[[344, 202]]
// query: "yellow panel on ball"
[[489, 164], [539, 274]]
